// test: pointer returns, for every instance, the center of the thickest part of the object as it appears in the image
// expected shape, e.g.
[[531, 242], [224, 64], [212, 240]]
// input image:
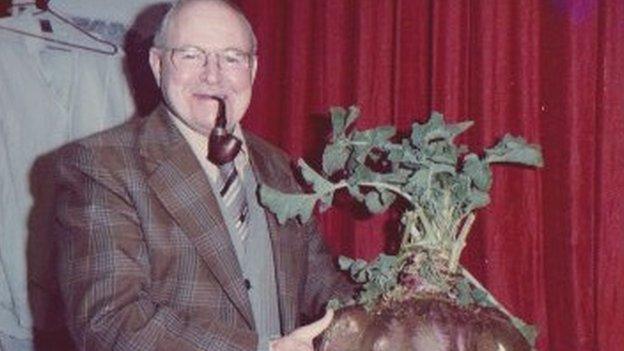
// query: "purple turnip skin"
[[428, 324]]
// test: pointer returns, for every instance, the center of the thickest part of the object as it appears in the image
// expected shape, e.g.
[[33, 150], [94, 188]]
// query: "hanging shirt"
[[49, 95]]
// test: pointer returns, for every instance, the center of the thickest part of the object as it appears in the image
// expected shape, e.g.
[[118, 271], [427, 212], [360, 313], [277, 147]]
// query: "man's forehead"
[[205, 20]]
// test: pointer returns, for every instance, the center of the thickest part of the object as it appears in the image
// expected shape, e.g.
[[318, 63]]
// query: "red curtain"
[[550, 246]]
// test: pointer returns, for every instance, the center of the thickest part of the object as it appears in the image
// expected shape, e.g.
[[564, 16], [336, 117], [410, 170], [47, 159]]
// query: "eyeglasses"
[[191, 58]]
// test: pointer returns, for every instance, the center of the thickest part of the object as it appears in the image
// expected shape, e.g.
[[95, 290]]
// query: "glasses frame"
[[250, 56]]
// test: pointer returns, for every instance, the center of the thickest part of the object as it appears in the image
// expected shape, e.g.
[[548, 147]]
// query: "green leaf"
[[442, 152], [342, 119], [319, 184], [355, 193], [396, 155], [421, 132], [326, 201], [358, 271], [478, 199], [377, 277], [344, 262], [360, 276], [352, 116], [419, 182], [357, 268], [385, 262], [334, 304], [442, 168], [360, 152], [335, 157], [464, 293], [397, 176], [478, 171], [436, 129], [515, 150], [460, 189], [369, 296], [378, 201], [387, 198], [458, 128], [411, 155], [363, 174], [338, 121], [375, 136], [373, 202], [287, 206]]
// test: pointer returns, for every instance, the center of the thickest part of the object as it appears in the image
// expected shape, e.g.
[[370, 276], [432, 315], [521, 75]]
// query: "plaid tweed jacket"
[[146, 262]]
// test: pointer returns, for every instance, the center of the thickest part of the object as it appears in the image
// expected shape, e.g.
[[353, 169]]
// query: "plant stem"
[[489, 295], [460, 243], [428, 228], [379, 185], [394, 189], [410, 222]]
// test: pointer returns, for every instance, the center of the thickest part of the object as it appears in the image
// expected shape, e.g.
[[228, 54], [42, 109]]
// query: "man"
[[153, 256]]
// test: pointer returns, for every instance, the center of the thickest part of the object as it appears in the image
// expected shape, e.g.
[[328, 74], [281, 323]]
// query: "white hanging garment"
[[49, 95]]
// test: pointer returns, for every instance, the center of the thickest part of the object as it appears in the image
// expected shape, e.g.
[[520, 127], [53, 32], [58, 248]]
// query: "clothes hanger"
[[43, 6]]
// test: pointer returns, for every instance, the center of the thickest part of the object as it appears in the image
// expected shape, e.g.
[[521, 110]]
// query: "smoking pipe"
[[222, 146]]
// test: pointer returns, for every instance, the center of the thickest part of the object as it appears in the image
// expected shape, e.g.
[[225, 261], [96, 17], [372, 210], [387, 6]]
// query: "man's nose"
[[211, 72]]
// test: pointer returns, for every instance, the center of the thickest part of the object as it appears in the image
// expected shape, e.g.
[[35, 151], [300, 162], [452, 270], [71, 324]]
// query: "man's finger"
[[312, 330]]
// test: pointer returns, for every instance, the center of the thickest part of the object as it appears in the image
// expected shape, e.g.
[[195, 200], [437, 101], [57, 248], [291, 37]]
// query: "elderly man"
[[162, 249]]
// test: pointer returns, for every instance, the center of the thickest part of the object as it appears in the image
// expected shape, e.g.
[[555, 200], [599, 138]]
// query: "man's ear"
[[155, 61], [254, 67]]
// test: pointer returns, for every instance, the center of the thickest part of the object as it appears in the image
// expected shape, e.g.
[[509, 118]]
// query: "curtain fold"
[[608, 230], [550, 246]]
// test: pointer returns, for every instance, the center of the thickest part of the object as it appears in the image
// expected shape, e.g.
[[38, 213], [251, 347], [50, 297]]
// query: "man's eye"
[[189, 55], [233, 57]]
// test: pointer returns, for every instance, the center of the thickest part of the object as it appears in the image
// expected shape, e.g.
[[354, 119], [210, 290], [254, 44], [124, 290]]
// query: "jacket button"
[[247, 284]]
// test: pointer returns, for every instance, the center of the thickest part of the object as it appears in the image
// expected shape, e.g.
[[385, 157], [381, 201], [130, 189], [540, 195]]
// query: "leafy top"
[[442, 185]]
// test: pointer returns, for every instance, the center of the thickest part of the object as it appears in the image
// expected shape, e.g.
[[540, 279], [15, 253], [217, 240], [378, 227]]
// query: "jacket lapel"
[[178, 180]]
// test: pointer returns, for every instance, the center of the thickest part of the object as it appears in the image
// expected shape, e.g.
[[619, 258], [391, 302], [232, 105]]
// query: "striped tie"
[[233, 194]]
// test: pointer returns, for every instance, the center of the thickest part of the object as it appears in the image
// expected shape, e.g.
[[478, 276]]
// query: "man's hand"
[[301, 338]]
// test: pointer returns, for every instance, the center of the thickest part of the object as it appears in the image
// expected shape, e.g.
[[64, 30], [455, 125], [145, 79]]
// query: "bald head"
[[162, 34]]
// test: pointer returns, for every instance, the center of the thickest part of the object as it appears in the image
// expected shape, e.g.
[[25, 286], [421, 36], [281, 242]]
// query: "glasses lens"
[[188, 58], [234, 58]]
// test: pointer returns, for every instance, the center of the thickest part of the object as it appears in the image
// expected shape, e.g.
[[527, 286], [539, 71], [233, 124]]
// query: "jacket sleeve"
[[323, 279], [104, 270]]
